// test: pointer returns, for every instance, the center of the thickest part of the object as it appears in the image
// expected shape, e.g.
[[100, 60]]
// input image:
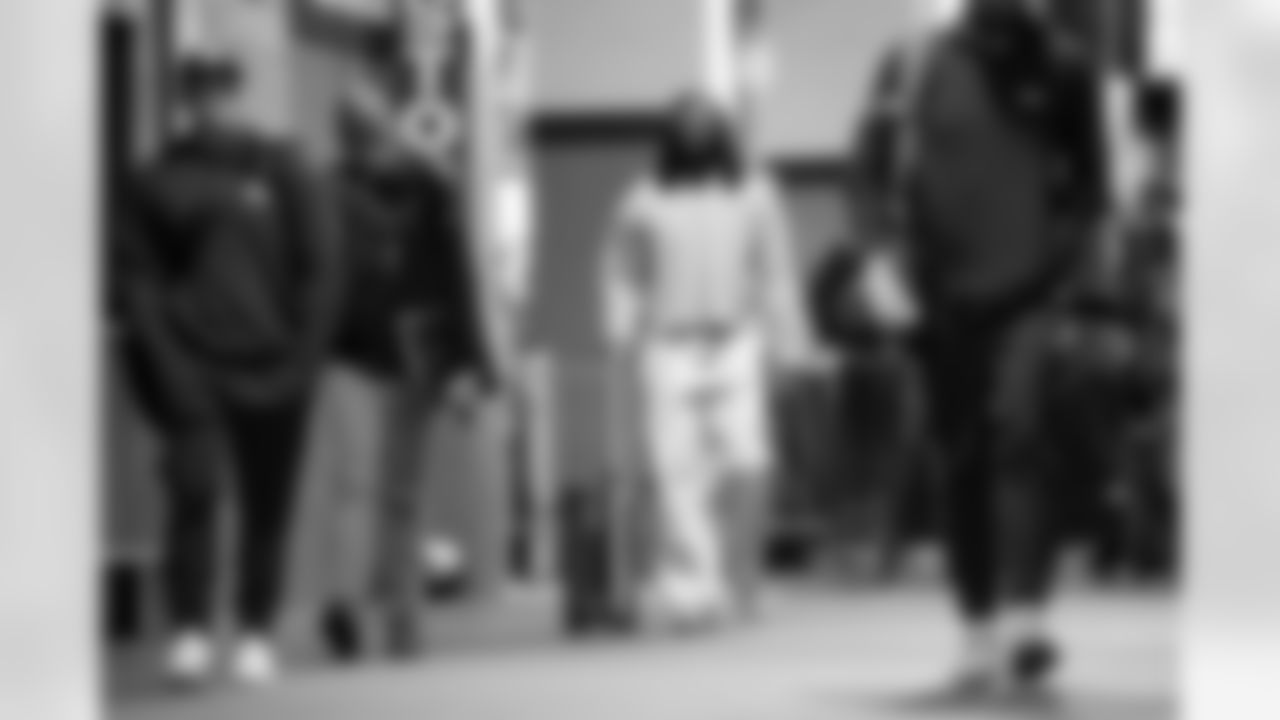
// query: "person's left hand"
[[884, 292]]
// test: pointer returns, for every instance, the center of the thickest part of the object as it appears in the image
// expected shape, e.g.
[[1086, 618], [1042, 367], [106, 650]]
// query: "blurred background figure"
[[700, 285], [226, 278], [980, 167], [407, 348]]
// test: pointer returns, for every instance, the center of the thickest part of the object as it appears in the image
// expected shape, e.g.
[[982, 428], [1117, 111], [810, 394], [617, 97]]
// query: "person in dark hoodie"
[[980, 172], [225, 283]]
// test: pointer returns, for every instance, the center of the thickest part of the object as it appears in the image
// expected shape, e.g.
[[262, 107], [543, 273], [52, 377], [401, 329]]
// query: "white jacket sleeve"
[[622, 277], [791, 336]]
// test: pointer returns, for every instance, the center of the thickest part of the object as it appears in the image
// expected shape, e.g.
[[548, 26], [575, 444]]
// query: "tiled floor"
[[818, 654]]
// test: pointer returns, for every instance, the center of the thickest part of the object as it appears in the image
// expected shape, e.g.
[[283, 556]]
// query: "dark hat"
[[201, 76]]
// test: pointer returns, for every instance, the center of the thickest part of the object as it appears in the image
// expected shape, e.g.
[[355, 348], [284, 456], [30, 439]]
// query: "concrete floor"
[[819, 653]]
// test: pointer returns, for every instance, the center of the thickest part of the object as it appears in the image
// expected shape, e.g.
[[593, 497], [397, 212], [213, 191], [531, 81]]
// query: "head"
[[699, 143], [1010, 34], [208, 93]]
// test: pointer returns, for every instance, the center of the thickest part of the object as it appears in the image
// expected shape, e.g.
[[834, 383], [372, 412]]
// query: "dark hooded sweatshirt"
[[226, 274], [1008, 177]]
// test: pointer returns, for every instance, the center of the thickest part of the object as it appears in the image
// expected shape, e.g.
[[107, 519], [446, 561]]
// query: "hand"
[[889, 301]]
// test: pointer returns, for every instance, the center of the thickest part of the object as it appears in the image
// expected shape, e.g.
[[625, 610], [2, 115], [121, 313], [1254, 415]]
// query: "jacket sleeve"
[[877, 204], [873, 156], [313, 198], [136, 284], [311, 214], [478, 347], [1083, 137], [791, 331], [625, 271], [1084, 197]]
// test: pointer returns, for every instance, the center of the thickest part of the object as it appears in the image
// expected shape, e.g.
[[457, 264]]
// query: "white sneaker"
[[254, 662], [190, 658]]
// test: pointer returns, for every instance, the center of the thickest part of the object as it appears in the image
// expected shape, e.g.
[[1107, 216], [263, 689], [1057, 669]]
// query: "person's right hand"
[[887, 296]]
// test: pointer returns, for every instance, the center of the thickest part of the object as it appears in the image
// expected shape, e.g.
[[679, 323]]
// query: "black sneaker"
[[342, 633], [1033, 662]]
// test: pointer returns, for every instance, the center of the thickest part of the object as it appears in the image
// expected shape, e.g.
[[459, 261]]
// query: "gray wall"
[[580, 181]]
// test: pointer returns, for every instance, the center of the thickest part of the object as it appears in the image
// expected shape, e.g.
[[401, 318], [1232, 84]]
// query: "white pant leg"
[[741, 421], [690, 576], [740, 417]]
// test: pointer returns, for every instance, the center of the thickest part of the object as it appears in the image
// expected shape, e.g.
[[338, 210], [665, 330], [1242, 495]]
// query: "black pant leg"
[[1044, 438], [1031, 532], [193, 494], [958, 365], [266, 446]]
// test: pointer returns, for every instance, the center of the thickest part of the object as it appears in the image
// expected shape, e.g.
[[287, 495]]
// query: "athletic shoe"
[[254, 662], [343, 632], [1032, 663], [190, 659]]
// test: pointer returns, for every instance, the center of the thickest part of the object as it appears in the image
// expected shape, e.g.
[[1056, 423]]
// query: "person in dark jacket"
[[408, 335], [224, 282], [980, 168]]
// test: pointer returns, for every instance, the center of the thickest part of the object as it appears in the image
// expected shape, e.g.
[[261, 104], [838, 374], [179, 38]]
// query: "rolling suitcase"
[[605, 529]]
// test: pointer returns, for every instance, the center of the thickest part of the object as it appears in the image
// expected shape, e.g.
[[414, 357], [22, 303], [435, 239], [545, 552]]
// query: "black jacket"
[[999, 206], [225, 272], [407, 257]]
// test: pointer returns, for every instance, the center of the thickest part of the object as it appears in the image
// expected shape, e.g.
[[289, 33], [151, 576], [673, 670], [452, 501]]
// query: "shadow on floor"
[[1066, 705]]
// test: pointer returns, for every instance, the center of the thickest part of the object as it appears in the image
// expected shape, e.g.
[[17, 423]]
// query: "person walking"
[[980, 181], [224, 271], [700, 286], [408, 347]]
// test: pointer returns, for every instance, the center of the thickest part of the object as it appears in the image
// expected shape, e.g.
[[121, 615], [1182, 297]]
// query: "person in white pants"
[[700, 285]]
